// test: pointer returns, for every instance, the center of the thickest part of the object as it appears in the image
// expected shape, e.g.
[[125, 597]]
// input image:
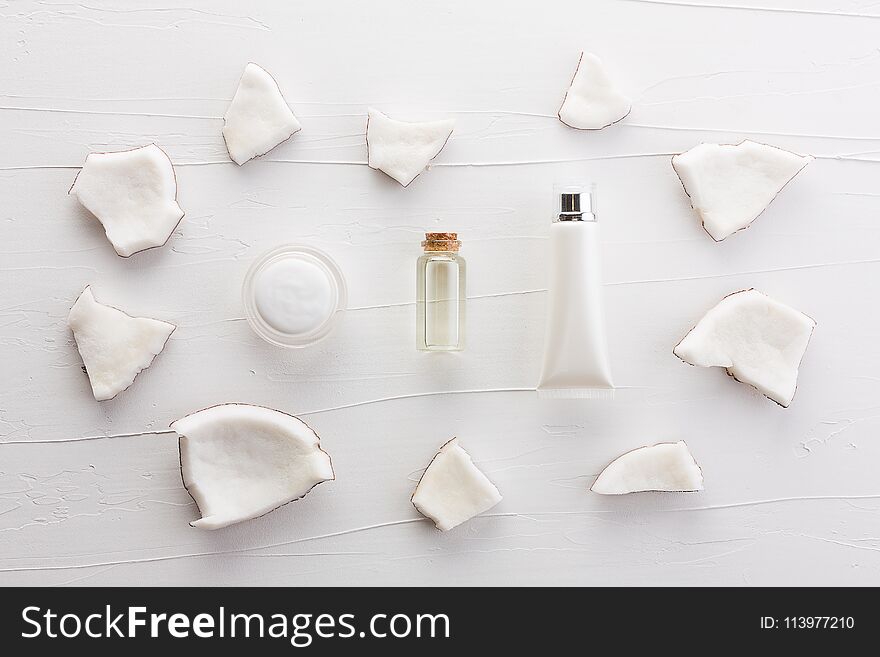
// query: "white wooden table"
[[90, 492]]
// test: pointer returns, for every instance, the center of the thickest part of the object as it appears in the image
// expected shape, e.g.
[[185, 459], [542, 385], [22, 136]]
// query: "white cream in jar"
[[293, 294]]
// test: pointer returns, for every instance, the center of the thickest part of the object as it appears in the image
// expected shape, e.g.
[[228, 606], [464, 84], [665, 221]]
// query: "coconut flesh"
[[133, 194], [402, 149], [593, 101], [453, 490], [730, 185], [114, 346], [758, 340], [258, 119], [667, 467], [240, 461]]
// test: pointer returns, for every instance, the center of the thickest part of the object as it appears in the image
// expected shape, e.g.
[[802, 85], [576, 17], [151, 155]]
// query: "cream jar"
[[293, 295]]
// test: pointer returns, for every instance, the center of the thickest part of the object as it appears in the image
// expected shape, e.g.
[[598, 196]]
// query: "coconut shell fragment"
[[402, 149], [241, 461], [115, 347], [664, 467], [592, 101], [258, 119], [452, 489], [133, 194], [758, 340], [731, 185]]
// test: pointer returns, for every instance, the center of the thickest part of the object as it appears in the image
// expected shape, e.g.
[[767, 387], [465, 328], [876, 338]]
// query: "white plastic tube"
[[576, 361]]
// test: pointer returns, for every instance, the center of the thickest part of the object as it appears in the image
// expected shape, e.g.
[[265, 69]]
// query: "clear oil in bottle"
[[440, 294]]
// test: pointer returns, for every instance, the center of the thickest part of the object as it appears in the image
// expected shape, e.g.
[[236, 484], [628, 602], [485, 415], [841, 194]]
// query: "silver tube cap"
[[575, 203]]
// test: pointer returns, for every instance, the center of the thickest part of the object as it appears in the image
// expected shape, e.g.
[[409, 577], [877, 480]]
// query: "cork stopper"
[[441, 242]]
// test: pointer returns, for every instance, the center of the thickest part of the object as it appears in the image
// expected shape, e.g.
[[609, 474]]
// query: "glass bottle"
[[440, 294]]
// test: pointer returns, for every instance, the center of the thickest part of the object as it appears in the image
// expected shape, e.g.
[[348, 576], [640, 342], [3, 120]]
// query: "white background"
[[90, 492]]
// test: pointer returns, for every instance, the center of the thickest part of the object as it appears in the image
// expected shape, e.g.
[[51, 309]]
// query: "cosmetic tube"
[[575, 351]]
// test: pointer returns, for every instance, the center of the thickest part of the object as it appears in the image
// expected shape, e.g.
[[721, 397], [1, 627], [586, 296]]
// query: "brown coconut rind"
[[226, 145], [650, 490], [748, 225], [173, 173], [86, 371], [731, 374], [565, 97], [180, 455], [367, 139]]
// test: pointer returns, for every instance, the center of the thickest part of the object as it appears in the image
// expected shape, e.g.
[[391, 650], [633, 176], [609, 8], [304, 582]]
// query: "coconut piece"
[[667, 467], [241, 461], [731, 185], [258, 119], [452, 489], [758, 340], [592, 101], [133, 194], [114, 346], [402, 149]]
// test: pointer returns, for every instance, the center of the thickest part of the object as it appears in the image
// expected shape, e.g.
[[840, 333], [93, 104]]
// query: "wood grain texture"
[[792, 496]]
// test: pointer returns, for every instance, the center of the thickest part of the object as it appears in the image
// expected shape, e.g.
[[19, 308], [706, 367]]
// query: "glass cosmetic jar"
[[293, 295]]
